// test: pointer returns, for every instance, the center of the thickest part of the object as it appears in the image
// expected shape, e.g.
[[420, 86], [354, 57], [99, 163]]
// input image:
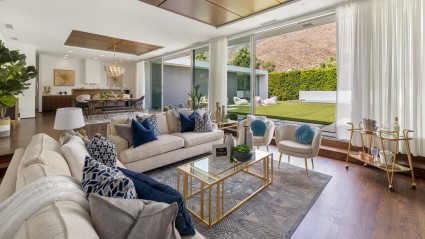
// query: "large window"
[[239, 74], [201, 69], [177, 79], [156, 84]]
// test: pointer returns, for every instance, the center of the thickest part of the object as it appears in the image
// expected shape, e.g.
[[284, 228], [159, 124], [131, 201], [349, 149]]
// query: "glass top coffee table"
[[204, 180]]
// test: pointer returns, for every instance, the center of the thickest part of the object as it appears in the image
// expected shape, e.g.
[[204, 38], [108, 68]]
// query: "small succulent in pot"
[[241, 153]]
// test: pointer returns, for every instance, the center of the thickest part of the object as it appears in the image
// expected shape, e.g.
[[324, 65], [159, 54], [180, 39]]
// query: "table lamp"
[[68, 119]]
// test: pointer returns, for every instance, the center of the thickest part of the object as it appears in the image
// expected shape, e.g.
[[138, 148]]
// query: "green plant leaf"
[[7, 101]]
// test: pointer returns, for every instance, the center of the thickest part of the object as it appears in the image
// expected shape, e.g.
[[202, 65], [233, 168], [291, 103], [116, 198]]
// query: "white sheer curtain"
[[381, 62], [217, 86]]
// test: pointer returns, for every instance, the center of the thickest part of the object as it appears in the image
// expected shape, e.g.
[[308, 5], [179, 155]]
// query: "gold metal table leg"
[[202, 200], [218, 201]]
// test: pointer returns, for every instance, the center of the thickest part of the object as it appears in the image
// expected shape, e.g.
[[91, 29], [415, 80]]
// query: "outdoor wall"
[[83, 71], [177, 83], [26, 100]]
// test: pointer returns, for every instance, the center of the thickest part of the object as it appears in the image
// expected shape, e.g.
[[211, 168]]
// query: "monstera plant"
[[14, 79]]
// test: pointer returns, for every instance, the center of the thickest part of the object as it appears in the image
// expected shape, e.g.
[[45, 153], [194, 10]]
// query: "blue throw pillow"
[[304, 134], [149, 189], [142, 132], [187, 122], [258, 127]]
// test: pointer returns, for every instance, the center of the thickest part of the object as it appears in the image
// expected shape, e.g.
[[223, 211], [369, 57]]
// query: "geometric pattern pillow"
[[154, 122], [203, 122], [103, 150], [106, 181]]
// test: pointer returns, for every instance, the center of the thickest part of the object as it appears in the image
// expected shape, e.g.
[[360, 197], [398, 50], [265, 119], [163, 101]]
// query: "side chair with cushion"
[[81, 102], [288, 144], [259, 140]]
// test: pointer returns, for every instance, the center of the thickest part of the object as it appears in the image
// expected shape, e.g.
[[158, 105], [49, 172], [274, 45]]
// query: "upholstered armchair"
[[287, 144], [259, 140]]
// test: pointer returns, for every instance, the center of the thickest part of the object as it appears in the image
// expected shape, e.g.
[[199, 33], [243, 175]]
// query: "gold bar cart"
[[383, 136]]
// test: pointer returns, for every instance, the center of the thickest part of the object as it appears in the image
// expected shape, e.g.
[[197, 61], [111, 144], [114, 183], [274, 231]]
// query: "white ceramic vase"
[[245, 136], [228, 140]]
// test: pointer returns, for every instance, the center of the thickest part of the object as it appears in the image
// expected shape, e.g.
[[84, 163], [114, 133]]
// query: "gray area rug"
[[275, 212]]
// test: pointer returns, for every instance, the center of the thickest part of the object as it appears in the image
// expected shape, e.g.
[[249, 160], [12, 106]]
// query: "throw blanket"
[[24, 203]]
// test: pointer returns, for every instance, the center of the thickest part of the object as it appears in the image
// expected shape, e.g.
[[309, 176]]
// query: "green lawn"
[[295, 111]]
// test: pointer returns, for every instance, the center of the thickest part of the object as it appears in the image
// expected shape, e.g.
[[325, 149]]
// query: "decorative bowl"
[[243, 157]]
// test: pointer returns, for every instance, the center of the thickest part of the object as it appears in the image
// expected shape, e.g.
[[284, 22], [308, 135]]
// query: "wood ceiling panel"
[[200, 10], [245, 8], [156, 3], [106, 43]]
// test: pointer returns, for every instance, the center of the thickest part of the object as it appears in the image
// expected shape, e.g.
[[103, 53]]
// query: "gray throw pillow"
[[132, 218], [124, 130]]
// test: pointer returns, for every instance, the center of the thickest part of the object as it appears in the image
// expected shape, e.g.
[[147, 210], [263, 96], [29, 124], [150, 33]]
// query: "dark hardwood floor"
[[355, 204]]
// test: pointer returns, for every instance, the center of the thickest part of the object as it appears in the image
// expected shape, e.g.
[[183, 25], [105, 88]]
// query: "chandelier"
[[114, 70]]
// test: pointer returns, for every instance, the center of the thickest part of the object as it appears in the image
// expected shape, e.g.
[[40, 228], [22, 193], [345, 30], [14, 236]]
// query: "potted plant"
[[195, 96], [14, 77], [241, 153]]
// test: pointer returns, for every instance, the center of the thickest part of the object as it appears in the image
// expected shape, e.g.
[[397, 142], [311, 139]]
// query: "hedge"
[[287, 85]]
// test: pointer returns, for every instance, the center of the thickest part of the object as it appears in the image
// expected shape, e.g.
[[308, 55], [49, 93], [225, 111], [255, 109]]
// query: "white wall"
[[86, 71], [27, 100]]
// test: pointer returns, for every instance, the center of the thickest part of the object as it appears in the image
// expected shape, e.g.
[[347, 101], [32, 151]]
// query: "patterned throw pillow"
[[203, 122], [106, 181], [177, 113], [103, 150], [154, 122]]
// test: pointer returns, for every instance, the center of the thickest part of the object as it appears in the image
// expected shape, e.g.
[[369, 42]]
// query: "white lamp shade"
[[69, 118]]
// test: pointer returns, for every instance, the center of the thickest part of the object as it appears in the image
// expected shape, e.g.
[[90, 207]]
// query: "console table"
[[54, 102]]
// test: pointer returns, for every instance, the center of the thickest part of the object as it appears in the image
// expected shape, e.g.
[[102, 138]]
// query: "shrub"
[[287, 85]]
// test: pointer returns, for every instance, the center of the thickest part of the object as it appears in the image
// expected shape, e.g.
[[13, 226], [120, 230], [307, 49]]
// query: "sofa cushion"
[[173, 119], [124, 131], [62, 219], [75, 152], [165, 143], [43, 149], [193, 138], [142, 132], [150, 189], [162, 123], [153, 120], [31, 173], [132, 218], [106, 181], [117, 120], [103, 150], [293, 146], [203, 122]]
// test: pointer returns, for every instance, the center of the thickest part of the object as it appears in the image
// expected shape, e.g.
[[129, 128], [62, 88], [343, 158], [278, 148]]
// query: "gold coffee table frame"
[[212, 173]]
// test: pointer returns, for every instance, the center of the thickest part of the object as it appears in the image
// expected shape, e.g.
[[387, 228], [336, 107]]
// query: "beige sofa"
[[171, 146], [45, 158]]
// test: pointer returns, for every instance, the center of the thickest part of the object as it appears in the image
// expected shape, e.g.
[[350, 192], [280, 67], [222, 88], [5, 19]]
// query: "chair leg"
[[306, 166], [289, 159], [267, 147], [312, 163], [280, 159]]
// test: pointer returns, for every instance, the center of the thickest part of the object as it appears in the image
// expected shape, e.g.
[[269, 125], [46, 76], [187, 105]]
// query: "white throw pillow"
[[75, 152]]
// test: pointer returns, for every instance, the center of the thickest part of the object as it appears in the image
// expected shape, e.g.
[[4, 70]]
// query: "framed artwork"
[[221, 151], [114, 81], [64, 77]]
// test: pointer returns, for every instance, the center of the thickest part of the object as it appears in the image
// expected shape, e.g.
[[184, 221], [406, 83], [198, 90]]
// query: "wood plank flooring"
[[355, 204]]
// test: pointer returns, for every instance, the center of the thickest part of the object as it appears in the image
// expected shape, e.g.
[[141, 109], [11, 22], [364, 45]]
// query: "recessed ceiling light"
[[9, 26], [66, 55], [95, 58], [102, 55], [70, 51], [128, 58], [14, 38]]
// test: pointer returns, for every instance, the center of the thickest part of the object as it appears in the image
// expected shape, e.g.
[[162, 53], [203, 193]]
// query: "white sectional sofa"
[[171, 146], [30, 173]]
